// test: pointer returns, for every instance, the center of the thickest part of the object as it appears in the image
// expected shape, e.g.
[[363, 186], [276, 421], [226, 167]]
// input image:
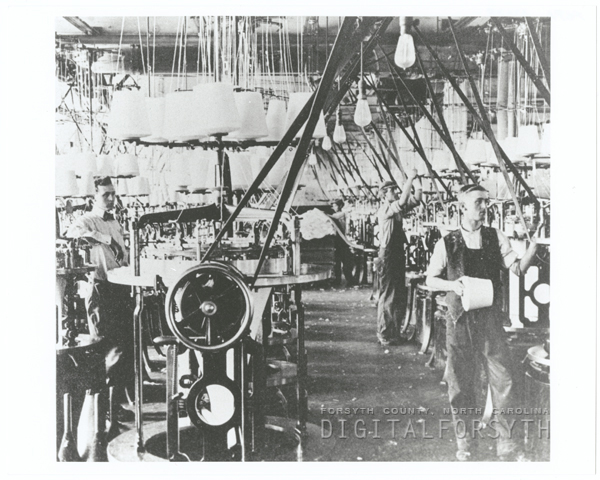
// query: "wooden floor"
[[370, 403]]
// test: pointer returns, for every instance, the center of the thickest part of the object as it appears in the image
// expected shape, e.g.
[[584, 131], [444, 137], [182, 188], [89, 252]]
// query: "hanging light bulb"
[[326, 143], [312, 158], [362, 114], [339, 134], [405, 51]]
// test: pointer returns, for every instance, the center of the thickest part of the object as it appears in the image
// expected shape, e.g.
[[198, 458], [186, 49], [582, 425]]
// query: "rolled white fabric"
[[477, 293]]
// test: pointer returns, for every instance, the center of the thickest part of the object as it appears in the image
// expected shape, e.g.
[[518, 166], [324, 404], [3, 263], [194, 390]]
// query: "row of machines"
[[232, 338]]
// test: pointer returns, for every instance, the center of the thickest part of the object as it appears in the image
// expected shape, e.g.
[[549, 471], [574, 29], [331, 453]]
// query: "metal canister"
[[537, 401]]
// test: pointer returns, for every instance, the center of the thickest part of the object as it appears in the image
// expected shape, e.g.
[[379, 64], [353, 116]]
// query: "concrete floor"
[[369, 403], [348, 369]]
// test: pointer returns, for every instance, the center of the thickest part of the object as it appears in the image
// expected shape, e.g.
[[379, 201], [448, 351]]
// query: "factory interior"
[[247, 297]]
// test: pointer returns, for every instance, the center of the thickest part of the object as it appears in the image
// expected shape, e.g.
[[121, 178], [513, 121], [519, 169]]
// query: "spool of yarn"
[[198, 165], [128, 118], [477, 293], [139, 186], [528, 140], [475, 152], [280, 170], [252, 114], [241, 170], [297, 102], [490, 154], [276, 115], [509, 145], [180, 176], [122, 187], [66, 183], [217, 111], [181, 117], [126, 165], [155, 108], [85, 163], [106, 165], [86, 185]]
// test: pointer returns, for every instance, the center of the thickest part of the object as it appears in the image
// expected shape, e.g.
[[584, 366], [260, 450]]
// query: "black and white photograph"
[[291, 244]]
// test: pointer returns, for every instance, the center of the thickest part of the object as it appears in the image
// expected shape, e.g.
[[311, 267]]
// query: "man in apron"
[[475, 338], [391, 262]]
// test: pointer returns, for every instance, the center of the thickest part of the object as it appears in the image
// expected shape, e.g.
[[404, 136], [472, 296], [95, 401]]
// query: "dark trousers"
[[344, 262], [110, 315], [476, 341], [392, 295]]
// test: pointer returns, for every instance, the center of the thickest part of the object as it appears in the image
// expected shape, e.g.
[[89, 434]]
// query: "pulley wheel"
[[214, 404], [209, 307]]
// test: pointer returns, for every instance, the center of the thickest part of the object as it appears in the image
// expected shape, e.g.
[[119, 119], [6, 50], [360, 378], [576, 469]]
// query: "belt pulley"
[[209, 307]]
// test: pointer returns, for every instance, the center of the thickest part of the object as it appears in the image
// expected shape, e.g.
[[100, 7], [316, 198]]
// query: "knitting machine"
[[219, 325]]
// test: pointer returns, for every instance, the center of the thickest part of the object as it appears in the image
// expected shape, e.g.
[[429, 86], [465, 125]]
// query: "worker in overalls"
[[344, 257], [392, 262], [476, 338]]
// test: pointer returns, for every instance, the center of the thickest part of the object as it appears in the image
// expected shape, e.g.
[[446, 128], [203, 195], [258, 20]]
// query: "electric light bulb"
[[339, 134], [405, 51], [362, 114], [312, 160], [326, 143]]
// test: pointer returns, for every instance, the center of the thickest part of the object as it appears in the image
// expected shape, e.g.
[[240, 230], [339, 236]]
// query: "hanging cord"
[[298, 66], [202, 45], [180, 60], [491, 70], [154, 49], [216, 46], [185, 29], [290, 70], [284, 55], [199, 49], [272, 61], [150, 69], [141, 46], [174, 55], [120, 44]]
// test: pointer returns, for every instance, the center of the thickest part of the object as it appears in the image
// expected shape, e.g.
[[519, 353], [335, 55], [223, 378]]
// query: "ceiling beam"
[[463, 22], [82, 26]]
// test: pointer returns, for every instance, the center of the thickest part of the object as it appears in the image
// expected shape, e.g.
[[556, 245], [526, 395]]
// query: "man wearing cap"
[[343, 255], [108, 305], [391, 261], [476, 338]]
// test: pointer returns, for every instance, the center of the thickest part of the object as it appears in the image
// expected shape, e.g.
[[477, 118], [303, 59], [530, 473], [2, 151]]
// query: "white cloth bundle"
[[477, 293], [316, 224]]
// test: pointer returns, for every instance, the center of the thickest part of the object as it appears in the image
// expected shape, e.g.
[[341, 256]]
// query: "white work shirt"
[[439, 258], [93, 227], [387, 214]]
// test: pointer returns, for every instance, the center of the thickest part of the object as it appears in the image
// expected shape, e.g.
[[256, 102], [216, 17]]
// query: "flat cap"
[[388, 184]]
